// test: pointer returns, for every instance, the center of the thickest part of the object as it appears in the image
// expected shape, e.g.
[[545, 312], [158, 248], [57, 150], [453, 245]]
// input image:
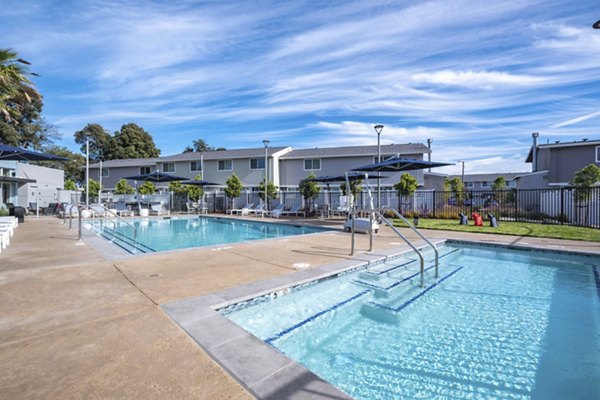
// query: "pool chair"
[[247, 207], [70, 209], [8, 226], [295, 210], [276, 212], [4, 237], [155, 209], [97, 211], [260, 209], [122, 209], [10, 220], [191, 207]]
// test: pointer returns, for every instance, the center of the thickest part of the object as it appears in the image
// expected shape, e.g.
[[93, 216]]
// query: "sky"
[[477, 77]]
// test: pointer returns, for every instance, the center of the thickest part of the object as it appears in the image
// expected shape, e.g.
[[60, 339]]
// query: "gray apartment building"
[[485, 181], [555, 164], [286, 167]]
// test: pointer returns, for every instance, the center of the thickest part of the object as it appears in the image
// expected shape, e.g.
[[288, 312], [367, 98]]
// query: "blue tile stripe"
[[597, 279], [292, 328], [408, 302]]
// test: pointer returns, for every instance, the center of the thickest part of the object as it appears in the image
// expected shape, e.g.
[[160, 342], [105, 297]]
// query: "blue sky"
[[475, 76]]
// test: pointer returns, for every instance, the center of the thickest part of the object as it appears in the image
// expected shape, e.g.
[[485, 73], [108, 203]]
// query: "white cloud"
[[577, 120], [477, 79]]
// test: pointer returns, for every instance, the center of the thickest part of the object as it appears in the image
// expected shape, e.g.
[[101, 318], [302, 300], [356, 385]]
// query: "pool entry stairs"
[[396, 283]]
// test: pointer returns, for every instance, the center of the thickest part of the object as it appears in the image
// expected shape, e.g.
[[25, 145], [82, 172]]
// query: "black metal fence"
[[564, 205]]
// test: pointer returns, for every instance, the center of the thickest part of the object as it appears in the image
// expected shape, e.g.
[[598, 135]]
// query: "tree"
[[233, 189], [583, 180], [72, 168], [456, 186], [499, 184], [309, 189], [355, 187], [101, 142], [94, 188], [406, 186], [147, 188], [8, 134], [70, 185], [16, 90], [271, 191], [132, 141], [122, 187], [200, 146]]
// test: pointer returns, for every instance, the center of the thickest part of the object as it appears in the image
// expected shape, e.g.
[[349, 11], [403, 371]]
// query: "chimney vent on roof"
[[585, 139], [557, 141]]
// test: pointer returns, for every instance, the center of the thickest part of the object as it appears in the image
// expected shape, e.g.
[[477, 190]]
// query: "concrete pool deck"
[[75, 324]]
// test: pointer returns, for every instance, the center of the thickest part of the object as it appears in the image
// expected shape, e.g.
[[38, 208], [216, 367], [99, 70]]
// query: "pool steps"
[[123, 241]]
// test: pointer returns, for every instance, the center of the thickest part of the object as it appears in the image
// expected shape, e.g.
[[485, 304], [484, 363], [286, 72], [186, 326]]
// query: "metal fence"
[[565, 205]]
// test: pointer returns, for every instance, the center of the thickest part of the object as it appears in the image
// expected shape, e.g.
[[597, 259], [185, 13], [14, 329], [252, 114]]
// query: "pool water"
[[159, 234], [497, 323]]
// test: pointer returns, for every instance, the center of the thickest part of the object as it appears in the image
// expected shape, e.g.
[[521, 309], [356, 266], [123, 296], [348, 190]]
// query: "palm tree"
[[16, 90]]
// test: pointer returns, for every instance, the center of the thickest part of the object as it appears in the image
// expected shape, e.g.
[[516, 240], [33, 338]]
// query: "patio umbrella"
[[19, 154], [157, 176], [398, 164]]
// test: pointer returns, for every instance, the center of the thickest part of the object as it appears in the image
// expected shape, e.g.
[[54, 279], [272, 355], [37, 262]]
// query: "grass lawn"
[[512, 228]]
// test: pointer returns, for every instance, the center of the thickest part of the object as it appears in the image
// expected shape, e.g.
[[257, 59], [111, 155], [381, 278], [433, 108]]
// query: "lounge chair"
[[7, 226], [122, 209], [296, 210], [4, 237], [260, 209], [191, 207], [32, 208], [97, 211], [248, 206], [155, 209], [10, 220], [276, 212]]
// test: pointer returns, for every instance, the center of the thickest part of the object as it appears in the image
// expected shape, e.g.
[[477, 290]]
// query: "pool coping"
[[259, 368]]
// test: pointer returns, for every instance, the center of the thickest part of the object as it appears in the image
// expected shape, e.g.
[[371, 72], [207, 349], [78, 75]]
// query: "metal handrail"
[[108, 211], [411, 226], [421, 258]]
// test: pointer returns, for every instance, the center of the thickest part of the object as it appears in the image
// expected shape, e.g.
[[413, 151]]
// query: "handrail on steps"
[[411, 226], [108, 211]]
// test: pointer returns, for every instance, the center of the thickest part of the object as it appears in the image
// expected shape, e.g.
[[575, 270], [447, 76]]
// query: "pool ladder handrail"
[[414, 229], [108, 211]]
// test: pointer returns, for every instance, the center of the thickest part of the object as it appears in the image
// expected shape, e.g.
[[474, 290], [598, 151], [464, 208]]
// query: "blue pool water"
[[158, 234], [498, 323]]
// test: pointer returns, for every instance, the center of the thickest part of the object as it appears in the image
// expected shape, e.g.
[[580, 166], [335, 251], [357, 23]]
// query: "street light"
[[378, 129], [266, 143], [87, 172]]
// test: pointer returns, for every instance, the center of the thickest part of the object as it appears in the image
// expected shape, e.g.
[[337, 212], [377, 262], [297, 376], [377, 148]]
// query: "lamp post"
[[266, 143], [100, 187], [87, 172], [378, 129], [462, 176]]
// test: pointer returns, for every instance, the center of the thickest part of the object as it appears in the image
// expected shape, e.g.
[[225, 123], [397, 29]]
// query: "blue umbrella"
[[19, 154], [398, 164]]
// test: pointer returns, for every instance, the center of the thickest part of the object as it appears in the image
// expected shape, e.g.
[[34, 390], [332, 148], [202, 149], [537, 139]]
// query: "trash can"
[[18, 212]]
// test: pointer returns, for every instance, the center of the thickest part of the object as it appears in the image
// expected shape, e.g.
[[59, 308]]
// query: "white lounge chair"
[[122, 209], [276, 212], [248, 206], [4, 237], [10, 220], [296, 210], [7, 226], [97, 211], [360, 225], [260, 209], [155, 209]]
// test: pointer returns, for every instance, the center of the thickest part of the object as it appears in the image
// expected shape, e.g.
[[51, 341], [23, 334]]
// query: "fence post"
[[214, 201], [434, 205], [562, 205]]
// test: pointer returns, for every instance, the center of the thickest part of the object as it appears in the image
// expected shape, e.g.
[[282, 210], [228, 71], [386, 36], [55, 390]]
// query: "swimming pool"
[[498, 323], [160, 234]]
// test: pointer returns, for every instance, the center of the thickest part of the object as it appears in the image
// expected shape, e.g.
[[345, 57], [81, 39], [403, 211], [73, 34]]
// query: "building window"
[[469, 184], [169, 167], [196, 166], [105, 172], [257, 163], [485, 184], [597, 153], [225, 165], [511, 184], [312, 164], [144, 170]]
